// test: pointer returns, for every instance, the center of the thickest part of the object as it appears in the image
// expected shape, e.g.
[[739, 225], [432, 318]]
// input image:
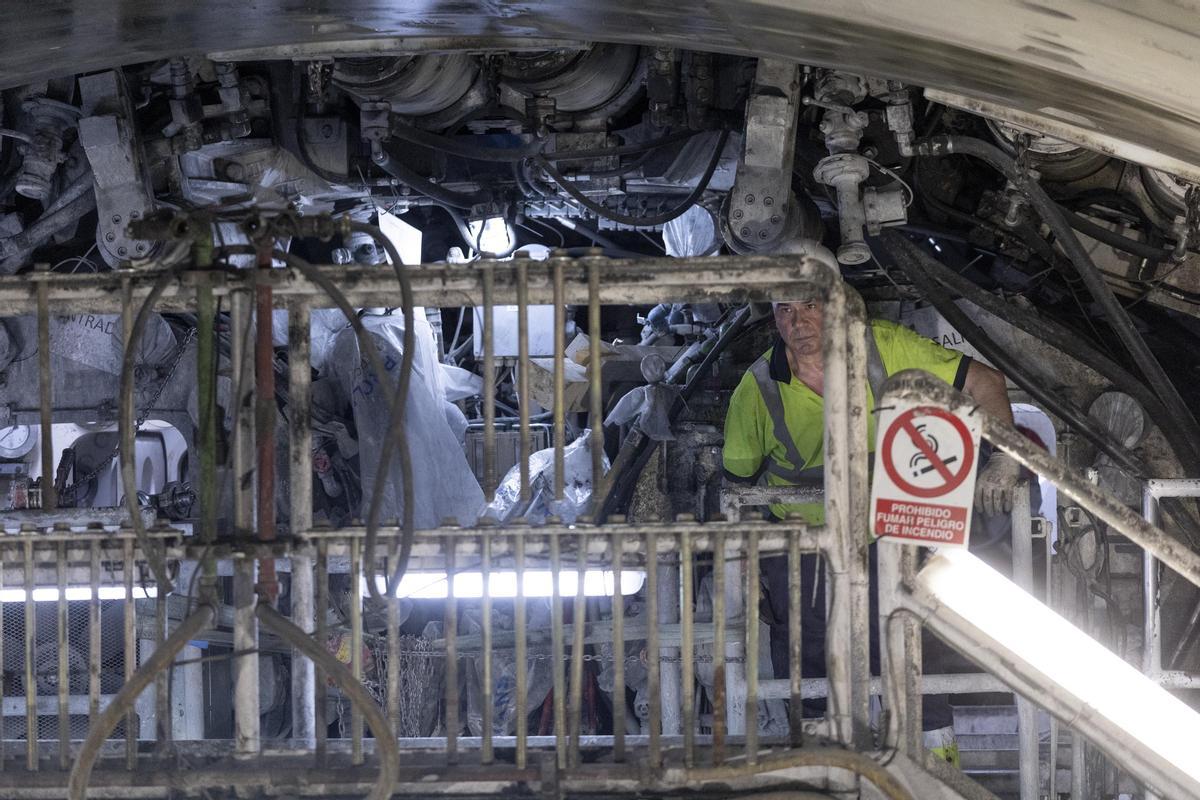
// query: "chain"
[[142, 417]]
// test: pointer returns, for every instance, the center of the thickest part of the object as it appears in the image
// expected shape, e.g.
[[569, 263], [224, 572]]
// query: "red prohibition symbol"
[[950, 479]]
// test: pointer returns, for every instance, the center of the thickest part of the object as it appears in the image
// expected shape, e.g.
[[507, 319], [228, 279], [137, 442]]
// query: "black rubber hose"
[[1112, 238], [1053, 333], [642, 222], [1114, 312], [621, 484], [914, 263], [510, 155], [422, 185]]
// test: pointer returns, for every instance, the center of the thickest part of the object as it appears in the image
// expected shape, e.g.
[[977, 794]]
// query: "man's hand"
[[996, 482]]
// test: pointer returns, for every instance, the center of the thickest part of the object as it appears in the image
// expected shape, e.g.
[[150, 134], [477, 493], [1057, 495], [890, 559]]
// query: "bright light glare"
[[491, 234], [45, 594], [1076, 662], [503, 584]]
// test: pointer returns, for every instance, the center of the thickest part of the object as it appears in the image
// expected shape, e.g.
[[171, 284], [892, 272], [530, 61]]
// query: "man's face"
[[799, 326]]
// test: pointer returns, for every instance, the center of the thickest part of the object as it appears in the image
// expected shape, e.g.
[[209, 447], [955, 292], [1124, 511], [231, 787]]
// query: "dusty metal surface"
[[1122, 69]]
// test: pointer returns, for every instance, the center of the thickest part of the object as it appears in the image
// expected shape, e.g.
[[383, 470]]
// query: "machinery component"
[[187, 113], [50, 119], [175, 501], [123, 191], [1054, 158], [17, 441], [414, 86], [570, 83], [662, 86], [760, 201]]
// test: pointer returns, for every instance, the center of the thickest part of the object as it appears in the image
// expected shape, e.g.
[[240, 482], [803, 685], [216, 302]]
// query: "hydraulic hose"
[[127, 434], [1115, 314], [509, 155], [422, 185], [159, 660], [1061, 337], [1112, 238], [385, 738], [914, 263]]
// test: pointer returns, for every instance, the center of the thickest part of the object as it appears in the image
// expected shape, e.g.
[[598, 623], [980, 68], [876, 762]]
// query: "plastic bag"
[[443, 483], [577, 490], [539, 678], [691, 234]]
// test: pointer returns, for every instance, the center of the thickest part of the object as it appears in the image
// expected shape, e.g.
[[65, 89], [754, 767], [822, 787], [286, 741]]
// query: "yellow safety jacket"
[[775, 423]]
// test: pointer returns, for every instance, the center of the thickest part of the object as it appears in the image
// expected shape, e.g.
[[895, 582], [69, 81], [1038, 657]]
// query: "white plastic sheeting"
[[577, 489], [443, 484]]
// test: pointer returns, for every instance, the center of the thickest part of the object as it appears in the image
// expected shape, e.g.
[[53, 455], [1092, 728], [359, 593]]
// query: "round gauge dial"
[[17, 441]]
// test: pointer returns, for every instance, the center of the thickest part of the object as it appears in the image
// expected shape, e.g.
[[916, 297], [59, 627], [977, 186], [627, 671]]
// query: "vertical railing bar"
[[64, 675], [751, 671], [595, 385], [3, 755], [522, 264], [618, 627], [300, 508], [94, 643], [321, 591], [653, 651], [520, 651], [45, 389], [393, 650], [489, 383], [579, 624], [31, 717], [560, 354], [795, 645], [687, 650], [451, 636], [130, 620], [162, 684], [485, 555], [356, 645], [559, 654], [718, 649]]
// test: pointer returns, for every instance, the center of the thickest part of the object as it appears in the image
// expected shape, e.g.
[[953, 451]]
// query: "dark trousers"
[[774, 569]]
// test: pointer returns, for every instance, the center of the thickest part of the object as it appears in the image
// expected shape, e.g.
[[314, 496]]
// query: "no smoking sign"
[[924, 483]]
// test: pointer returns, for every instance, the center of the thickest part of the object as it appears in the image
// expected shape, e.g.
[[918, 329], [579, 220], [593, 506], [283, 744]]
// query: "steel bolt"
[[776, 219], [762, 234], [326, 131], [122, 251], [749, 199], [141, 248], [768, 201], [110, 237], [116, 219], [738, 214], [746, 232]]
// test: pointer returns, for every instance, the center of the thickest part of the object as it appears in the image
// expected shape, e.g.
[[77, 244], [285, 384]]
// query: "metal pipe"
[[299, 511], [485, 567], [751, 603], [320, 725], [595, 384], [264, 421], [840, 647], [1022, 561], [206, 398], [487, 275], [356, 646], [64, 675], [668, 655], [618, 626], [246, 721], [858, 496], [130, 654], [450, 633], [520, 650], [523, 369], [718, 650], [1151, 620], [687, 648], [30, 681], [393, 651], [579, 626], [736, 607], [795, 643], [653, 651], [558, 654], [560, 403], [45, 401]]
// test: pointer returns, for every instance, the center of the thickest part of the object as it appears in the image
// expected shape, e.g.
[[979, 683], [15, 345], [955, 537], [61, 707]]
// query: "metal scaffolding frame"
[[829, 754]]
